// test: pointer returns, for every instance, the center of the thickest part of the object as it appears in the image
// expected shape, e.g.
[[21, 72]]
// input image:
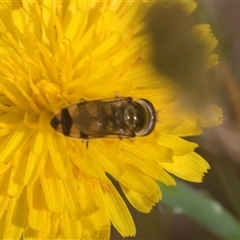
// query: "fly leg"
[[86, 141]]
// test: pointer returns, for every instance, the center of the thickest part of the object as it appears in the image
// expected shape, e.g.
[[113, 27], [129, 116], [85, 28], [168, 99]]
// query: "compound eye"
[[139, 117], [143, 117], [129, 117]]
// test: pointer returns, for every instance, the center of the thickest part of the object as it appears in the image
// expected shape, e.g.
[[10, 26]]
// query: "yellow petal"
[[146, 151], [184, 123], [12, 142], [69, 229], [190, 167], [142, 202], [150, 156], [99, 221], [2, 225], [50, 227], [38, 150], [177, 144], [91, 169], [73, 30], [16, 219], [57, 150], [134, 14], [80, 197], [30, 234], [211, 117], [52, 188], [107, 157], [109, 91], [37, 206], [4, 197], [104, 234], [165, 178], [15, 186], [204, 33], [119, 213], [138, 181]]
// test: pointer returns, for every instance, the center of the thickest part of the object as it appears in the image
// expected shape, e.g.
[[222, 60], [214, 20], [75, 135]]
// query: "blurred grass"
[[202, 209]]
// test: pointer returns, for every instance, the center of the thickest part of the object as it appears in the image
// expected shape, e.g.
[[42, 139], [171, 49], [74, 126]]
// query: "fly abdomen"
[[118, 117], [66, 122]]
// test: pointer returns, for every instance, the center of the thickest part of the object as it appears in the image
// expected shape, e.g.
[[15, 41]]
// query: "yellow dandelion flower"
[[53, 54]]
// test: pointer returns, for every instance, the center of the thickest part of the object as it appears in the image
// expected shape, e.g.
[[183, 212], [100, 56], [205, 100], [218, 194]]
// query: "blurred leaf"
[[202, 209]]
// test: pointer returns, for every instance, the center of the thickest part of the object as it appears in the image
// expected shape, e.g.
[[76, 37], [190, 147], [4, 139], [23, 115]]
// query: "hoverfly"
[[118, 117]]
